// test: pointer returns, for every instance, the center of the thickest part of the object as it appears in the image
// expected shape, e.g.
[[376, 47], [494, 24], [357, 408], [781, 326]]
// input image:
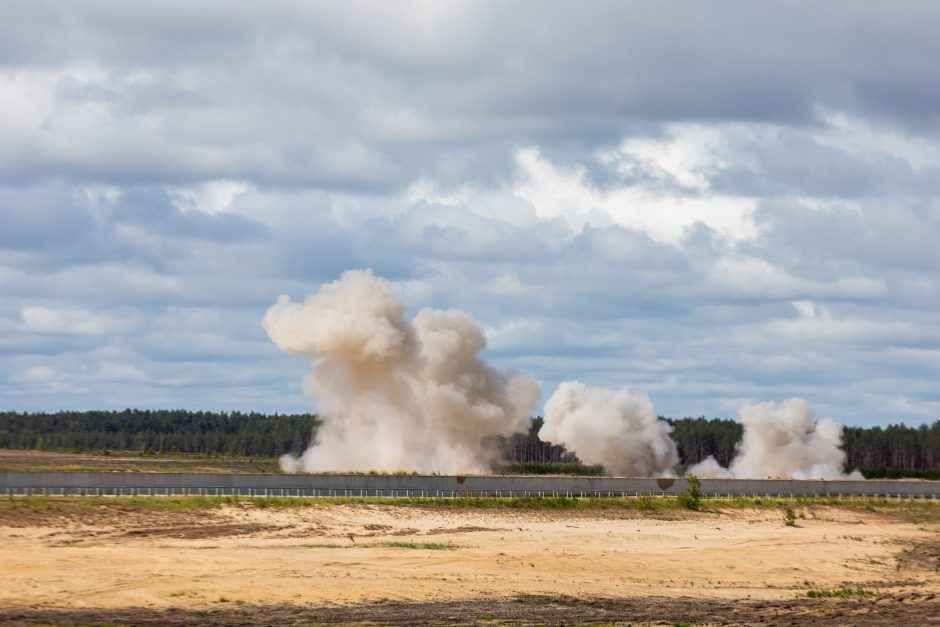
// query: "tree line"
[[878, 451], [159, 431]]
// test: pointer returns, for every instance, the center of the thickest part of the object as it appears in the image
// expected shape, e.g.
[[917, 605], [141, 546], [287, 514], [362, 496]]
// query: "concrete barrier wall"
[[433, 485]]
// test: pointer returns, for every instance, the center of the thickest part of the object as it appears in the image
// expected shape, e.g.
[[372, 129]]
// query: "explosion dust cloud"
[[413, 395], [615, 428], [397, 394], [782, 441]]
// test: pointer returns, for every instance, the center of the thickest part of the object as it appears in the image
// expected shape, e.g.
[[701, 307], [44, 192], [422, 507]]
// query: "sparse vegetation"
[[789, 517], [923, 511], [430, 546], [692, 497], [78, 503], [839, 593], [551, 468], [392, 544]]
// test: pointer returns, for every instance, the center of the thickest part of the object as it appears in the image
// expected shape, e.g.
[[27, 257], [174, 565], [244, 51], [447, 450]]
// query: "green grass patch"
[[89, 503], [909, 510], [550, 468], [392, 544], [191, 503], [429, 546], [918, 511], [570, 503], [838, 593]]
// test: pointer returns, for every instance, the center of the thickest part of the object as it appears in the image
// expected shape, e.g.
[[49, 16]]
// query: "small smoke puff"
[[289, 463], [782, 441], [397, 394], [711, 469], [615, 428]]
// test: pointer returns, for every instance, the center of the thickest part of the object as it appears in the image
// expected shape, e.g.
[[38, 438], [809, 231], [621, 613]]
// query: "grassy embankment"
[[912, 510]]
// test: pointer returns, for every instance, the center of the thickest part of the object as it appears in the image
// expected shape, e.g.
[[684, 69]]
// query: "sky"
[[712, 203]]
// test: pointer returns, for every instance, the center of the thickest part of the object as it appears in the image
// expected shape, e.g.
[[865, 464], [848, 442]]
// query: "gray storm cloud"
[[783, 441], [397, 394], [616, 428]]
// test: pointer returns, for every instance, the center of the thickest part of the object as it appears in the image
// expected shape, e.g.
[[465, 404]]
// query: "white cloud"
[[859, 136], [37, 374], [816, 323], [752, 277], [209, 197], [664, 214], [687, 156], [914, 408], [110, 371], [71, 321], [609, 212]]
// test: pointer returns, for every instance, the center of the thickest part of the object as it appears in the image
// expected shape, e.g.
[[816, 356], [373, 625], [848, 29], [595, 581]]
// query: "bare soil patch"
[[924, 556], [520, 610], [370, 563]]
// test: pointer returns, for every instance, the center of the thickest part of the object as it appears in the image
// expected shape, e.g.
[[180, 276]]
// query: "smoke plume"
[[782, 441], [615, 428], [396, 394]]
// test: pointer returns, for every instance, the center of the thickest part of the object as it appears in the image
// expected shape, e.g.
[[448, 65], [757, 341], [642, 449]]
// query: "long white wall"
[[432, 485]]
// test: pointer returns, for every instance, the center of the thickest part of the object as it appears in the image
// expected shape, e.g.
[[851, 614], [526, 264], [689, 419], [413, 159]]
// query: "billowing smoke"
[[399, 394], [782, 441], [616, 428], [396, 394]]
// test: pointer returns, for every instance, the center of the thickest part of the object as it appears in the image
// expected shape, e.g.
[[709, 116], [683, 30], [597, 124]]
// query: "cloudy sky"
[[713, 204]]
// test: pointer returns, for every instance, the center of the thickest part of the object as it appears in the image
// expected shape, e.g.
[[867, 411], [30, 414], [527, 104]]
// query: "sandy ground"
[[235, 562]]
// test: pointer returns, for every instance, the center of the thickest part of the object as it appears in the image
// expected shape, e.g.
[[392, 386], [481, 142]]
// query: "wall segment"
[[434, 485]]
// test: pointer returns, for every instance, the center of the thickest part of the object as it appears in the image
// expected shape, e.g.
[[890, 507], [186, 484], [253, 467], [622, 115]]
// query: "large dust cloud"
[[397, 394], [616, 428], [783, 441]]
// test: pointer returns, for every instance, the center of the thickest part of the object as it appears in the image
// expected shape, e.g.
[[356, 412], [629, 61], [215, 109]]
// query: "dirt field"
[[131, 462], [402, 565]]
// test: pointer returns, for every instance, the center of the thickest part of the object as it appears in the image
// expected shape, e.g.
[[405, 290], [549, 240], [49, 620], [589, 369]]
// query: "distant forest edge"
[[890, 452]]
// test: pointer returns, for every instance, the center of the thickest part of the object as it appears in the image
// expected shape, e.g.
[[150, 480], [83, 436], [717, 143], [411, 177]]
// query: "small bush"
[[789, 517], [692, 498]]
